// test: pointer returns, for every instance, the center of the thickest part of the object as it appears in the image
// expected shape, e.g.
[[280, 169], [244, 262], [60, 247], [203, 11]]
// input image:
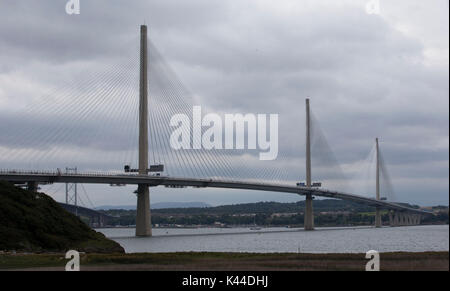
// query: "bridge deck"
[[102, 178]]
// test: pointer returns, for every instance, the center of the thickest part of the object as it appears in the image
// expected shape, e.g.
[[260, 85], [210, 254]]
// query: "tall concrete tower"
[[309, 214], [143, 223], [377, 182]]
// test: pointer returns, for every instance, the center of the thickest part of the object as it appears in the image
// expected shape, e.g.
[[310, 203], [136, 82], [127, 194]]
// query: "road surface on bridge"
[[122, 179]]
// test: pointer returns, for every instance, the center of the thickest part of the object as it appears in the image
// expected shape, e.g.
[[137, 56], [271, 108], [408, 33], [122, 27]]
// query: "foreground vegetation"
[[203, 261], [34, 222]]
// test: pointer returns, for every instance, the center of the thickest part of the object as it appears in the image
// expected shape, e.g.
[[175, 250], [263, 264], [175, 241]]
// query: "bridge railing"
[[119, 173], [59, 173]]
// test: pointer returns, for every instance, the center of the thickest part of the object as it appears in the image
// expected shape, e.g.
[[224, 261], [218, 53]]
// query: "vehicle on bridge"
[[314, 185], [158, 169]]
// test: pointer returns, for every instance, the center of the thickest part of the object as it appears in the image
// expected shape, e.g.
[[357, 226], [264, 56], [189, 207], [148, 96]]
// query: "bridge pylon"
[[378, 222], [309, 214], [143, 218]]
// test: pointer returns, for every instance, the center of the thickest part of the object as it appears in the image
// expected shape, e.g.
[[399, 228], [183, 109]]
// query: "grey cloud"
[[364, 77]]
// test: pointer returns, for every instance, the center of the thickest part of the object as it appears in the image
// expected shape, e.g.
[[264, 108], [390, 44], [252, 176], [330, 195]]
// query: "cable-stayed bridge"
[[115, 100]]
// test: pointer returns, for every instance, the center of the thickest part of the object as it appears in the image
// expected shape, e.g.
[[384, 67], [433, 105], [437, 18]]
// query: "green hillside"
[[35, 222], [327, 212]]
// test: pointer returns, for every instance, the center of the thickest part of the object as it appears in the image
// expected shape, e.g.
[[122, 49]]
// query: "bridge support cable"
[[109, 109], [162, 115], [55, 191], [180, 97], [65, 116], [386, 187], [364, 180], [122, 112], [50, 105], [100, 133], [163, 107], [324, 161], [169, 97], [203, 162], [91, 205]]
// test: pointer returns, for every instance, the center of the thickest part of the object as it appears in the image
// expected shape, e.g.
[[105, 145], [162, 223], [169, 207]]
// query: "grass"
[[206, 261]]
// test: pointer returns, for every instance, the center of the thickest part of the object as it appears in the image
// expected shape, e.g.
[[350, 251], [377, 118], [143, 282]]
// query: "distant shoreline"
[[249, 226]]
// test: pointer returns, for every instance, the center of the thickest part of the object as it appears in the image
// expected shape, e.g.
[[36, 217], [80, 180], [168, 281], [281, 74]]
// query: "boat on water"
[[255, 227]]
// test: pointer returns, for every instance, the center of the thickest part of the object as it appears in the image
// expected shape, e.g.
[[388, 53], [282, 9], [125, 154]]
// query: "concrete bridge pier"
[[378, 222], [309, 214], [409, 220], [396, 219], [143, 218], [401, 218], [418, 219], [413, 219], [404, 219]]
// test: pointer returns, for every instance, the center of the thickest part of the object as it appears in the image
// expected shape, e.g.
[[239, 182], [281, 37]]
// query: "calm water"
[[272, 240]]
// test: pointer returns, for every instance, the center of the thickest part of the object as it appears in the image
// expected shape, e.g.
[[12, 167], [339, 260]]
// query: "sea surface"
[[285, 240]]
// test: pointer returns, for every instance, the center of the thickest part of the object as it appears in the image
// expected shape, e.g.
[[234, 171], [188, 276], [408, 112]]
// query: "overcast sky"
[[368, 75]]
